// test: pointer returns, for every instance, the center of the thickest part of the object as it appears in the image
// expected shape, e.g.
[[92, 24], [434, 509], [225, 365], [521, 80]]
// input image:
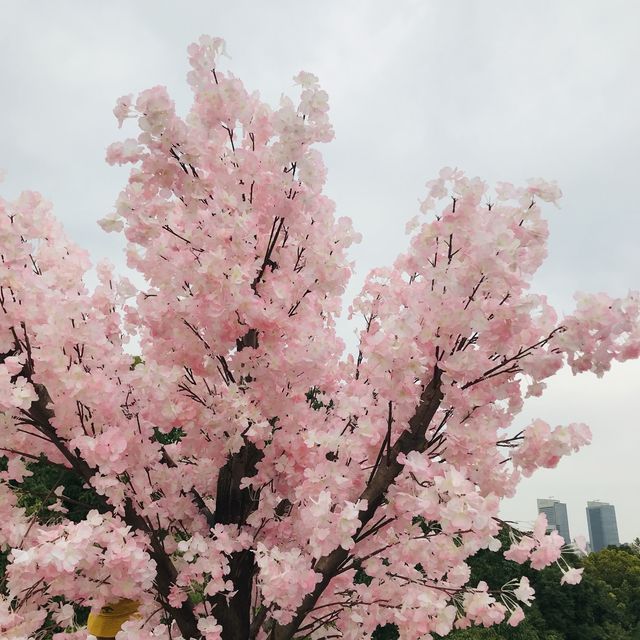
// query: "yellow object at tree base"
[[107, 622]]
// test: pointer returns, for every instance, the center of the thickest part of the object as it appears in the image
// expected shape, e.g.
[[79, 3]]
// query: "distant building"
[[603, 527], [557, 519]]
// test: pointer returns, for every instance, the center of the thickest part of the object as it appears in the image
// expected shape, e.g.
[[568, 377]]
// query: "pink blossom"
[[122, 108], [547, 191], [520, 551], [210, 628], [524, 592], [571, 576], [548, 550], [581, 543], [306, 79], [516, 617]]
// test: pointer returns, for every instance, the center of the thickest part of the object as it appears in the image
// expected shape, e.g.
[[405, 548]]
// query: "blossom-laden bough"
[[308, 494]]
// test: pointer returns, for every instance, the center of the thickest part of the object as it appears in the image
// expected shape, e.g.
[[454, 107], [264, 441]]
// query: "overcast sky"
[[504, 90]]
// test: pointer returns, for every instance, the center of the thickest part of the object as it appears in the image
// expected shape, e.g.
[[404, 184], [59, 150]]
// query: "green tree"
[[619, 568], [604, 606]]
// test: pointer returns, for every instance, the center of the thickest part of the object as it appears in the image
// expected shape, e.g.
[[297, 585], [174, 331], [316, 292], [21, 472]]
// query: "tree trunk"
[[233, 506]]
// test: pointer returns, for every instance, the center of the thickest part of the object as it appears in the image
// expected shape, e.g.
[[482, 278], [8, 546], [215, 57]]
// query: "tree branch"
[[413, 439], [166, 574]]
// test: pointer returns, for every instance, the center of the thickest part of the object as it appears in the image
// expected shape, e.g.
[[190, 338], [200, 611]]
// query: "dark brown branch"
[[276, 227], [257, 622], [389, 423], [512, 360], [233, 506], [198, 500], [471, 298], [230, 132], [412, 439], [166, 572], [197, 334], [24, 454], [227, 375]]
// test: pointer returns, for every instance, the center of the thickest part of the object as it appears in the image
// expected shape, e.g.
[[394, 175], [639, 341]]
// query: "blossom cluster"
[[246, 438]]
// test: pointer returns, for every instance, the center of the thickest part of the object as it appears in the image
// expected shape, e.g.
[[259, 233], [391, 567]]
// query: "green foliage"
[[362, 578], [523, 631], [314, 399], [388, 632], [604, 606], [476, 633], [36, 493], [175, 435]]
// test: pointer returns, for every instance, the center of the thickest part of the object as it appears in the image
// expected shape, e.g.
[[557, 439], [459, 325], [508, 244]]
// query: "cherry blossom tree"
[[253, 478]]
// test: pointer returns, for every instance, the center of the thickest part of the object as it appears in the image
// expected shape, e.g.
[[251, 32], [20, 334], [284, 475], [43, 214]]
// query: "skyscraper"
[[557, 519], [603, 527]]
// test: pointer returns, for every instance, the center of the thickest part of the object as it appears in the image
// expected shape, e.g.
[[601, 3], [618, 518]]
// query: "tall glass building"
[[557, 518], [603, 526]]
